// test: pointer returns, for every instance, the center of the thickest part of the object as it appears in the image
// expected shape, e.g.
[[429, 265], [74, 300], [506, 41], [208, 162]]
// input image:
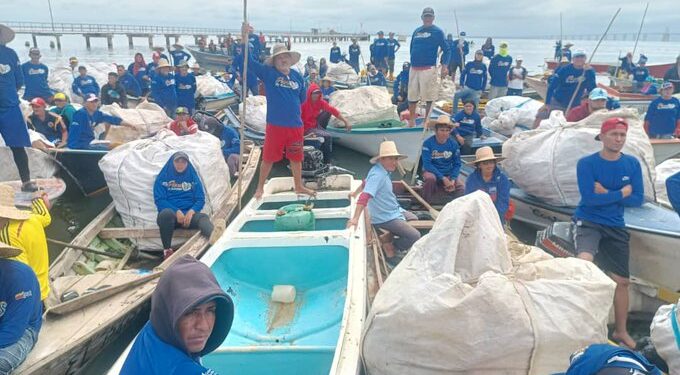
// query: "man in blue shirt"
[[163, 88], [178, 55], [608, 182], [185, 84], [12, 124], [468, 125], [35, 76], [561, 94], [498, 70], [81, 131], [673, 190], [128, 82], [20, 309], [441, 162], [392, 48], [336, 55], [354, 53], [459, 49], [400, 88], [472, 81], [84, 84], [662, 120], [379, 52], [422, 81], [640, 74]]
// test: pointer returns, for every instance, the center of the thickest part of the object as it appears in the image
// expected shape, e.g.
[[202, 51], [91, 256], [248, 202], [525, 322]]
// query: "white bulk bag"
[[504, 113], [207, 85], [363, 104], [543, 161], [61, 77], [663, 171], [256, 116], [131, 170], [147, 119], [461, 303], [342, 73], [664, 338]]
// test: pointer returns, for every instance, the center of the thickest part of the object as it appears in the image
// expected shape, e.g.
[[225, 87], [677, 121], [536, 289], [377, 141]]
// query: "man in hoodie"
[[84, 84], [563, 83], [640, 74], [316, 112], [354, 52], [81, 131], [379, 52], [336, 54], [472, 80], [114, 92], [186, 87], [392, 47], [179, 197], [35, 77], [499, 66], [128, 82], [163, 88], [190, 317]]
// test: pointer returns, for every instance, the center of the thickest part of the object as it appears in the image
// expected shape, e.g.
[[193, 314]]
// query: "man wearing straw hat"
[[13, 128], [377, 194], [20, 309], [26, 230], [488, 178], [285, 91], [441, 161]]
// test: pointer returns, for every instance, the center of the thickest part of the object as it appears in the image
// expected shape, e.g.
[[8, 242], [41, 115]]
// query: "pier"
[[171, 33]]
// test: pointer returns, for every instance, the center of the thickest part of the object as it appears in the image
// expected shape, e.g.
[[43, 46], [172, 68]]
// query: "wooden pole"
[[582, 77], [640, 30], [244, 96]]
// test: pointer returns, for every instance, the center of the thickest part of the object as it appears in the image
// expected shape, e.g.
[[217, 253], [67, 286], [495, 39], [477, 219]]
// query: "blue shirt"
[[474, 75], [81, 130], [640, 74], [46, 127], [231, 144], [378, 79], [425, 44], [469, 124], [562, 85], [354, 52], [130, 84], [455, 51], [85, 85], [35, 78], [498, 189], [255, 46], [392, 47], [663, 115], [285, 94], [178, 191], [379, 49], [141, 73], [498, 70], [442, 160], [400, 85], [20, 304], [178, 56], [186, 90], [673, 190], [607, 209], [489, 51], [383, 205], [11, 77], [336, 55], [163, 91]]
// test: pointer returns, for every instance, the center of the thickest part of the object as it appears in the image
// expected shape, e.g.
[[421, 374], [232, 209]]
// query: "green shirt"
[[66, 113]]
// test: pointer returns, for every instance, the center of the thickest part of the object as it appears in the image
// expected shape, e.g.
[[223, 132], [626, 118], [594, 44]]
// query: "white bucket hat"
[[280, 49], [6, 34], [387, 149]]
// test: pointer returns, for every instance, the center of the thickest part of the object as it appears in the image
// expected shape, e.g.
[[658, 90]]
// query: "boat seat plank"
[[137, 233]]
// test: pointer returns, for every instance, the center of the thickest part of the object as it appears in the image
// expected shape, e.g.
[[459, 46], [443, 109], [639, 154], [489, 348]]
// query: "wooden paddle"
[[93, 251], [434, 213]]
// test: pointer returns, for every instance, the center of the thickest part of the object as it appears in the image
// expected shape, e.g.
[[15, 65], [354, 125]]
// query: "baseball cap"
[[38, 102], [598, 94], [579, 53], [181, 110], [428, 12], [611, 124], [519, 58], [666, 85], [60, 96], [33, 51], [91, 98]]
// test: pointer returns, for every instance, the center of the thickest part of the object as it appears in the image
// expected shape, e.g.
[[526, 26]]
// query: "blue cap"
[[598, 94], [667, 85], [643, 59], [462, 33]]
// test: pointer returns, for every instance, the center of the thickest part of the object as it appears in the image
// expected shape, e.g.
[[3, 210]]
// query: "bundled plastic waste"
[[505, 113], [363, 104]]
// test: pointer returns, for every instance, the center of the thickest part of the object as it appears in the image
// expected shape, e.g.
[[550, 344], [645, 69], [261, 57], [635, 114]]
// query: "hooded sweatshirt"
[[311, 110], [163, 91], [186, 90], [159, 349], [178, 191], [498, 70], [35, 76], [84, 85]]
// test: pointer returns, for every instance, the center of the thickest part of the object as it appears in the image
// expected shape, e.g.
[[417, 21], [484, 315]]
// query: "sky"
[[476, 17]]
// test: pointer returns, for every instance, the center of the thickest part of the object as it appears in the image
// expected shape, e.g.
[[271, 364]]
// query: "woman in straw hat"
[[285, 91], [490, 179], [441, 162], [12, 125], [163, 88], [20, 309], [377, 194]]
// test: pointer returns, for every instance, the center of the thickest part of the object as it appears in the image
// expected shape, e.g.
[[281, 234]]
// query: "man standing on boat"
[[392, 47], [354, 52], [662, 120], [35, 75], [12, 125], [186, 87], [499, 66], [608, 182], [179, 55], [459, 49], [336, 55], [379, 52], [425, 44]]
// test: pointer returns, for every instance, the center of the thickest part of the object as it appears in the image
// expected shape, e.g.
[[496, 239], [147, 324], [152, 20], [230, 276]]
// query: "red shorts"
[[278, 139]]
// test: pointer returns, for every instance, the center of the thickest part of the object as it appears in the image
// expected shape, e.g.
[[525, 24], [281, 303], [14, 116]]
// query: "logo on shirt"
[[184, 87], [379, 44], [468, 121], [476, 71], [4, 69], [114, 94], [441, 154], [23, 295], [170, 82], [422, 34], [572, 79], [177, 186], [286, 83], [33, 71], [625, 178], [665, 106], [503, 63], [3, 307]]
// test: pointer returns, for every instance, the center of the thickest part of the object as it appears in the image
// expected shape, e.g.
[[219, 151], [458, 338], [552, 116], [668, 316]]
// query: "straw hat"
[[387, 149], [163, 63], [8, 251], [7, 208], [6, 34], [178, 46], [483, 154], [280, 49], [442, 120]]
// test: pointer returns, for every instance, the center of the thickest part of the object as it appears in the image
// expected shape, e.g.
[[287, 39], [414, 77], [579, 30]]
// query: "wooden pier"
[[171, 33]]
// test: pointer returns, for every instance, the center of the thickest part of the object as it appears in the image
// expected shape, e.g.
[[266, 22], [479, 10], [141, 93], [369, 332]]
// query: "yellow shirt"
[[29, 236]]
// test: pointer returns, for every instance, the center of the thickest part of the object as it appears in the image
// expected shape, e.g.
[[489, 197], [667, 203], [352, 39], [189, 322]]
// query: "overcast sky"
[[476, 17]]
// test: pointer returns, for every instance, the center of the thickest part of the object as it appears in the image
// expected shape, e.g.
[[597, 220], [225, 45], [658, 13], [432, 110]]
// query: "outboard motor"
[[312, 164], [557, 239]]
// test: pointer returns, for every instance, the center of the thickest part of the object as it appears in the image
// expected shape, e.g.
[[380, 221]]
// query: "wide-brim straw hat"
[[163, 63], [7, 208], [483, 154], [387, 149], [280, 49], [178, 46], [6, 34], [442, 120], [8, 251]]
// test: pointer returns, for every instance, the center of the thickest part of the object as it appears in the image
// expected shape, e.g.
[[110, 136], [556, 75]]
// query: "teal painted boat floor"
[[261, 226], [321, 203], [273, 338]]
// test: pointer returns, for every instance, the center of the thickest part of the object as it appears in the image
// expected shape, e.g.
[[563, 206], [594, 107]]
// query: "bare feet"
[[258, 193], [623, 338], [304, 190]]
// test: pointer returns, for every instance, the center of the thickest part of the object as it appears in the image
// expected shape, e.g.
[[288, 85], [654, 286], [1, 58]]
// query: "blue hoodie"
[[392, 47], [130, 84], [663, 116], [597, 357], [178, 191], [81, 133], [469, 124], [85, 85], [163, 91], [498, 189], [455, 51], [425, 44], [562, 84], [285, 94], [474, 75], [673, 190], [379, 49], [336, 55], [231, 144], [11, 77], [442, 160], [178, 56], [498, 70], [354, 52], [141, 73], [640, 74], [20, 304], [35, 77], [186, 90]]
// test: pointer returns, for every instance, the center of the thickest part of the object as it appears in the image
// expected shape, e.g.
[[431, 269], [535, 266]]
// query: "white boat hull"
[[665, 149], [409, 142]]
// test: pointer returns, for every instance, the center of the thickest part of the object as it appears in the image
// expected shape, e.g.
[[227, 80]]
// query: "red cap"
[[611, 124], [39, 102]]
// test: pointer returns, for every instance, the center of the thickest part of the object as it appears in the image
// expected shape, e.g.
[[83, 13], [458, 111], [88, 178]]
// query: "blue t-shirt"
[[186, 90], [392, 45], [20, 304], [383, 205], [336, 55], [640, 74], [442, 160], [607, 209], [563, 83], [35, 78], [469, 124], [11, 77], [379, 50], [178, 56], [354, 52], [84, 85], [285, 94], [673, 190], [498, 70], [81, 130], [425, 44], [163, 91], [663, 115], [498, 189], [230, 141], [474, 75]]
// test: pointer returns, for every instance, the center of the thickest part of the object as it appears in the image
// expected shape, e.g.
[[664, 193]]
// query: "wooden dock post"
[[109, 41], [87, 42], [58, 38], [150, 41], [35, 40], [131, 44]]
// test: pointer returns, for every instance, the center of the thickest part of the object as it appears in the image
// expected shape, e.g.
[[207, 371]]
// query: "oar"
[[434, 213], [582, 77], [244, 96], [93, 251], [640, 30]]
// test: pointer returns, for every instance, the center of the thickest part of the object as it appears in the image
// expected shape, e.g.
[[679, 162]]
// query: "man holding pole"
[[425, 44]]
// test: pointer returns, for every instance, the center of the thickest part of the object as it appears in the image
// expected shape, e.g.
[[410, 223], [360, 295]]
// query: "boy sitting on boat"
[[183, 123], [376, 194], [441, 162], [190, 317], [662, 120], [490, 179]]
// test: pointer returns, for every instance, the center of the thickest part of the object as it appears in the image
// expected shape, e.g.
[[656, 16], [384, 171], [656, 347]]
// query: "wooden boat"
[[655, 70], [538, 84], [206, 103], [215, 61], [665, 149], [627, 99], [76, 331], [318, 333], [80, 168]]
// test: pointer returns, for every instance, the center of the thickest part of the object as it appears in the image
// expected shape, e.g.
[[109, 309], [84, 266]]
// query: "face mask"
[[503, 51]]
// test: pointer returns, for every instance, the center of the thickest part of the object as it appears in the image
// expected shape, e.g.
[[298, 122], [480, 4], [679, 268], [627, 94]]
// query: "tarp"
[[343, 73], [147, 119], [666, 339], [363, 104], [61, 77]]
